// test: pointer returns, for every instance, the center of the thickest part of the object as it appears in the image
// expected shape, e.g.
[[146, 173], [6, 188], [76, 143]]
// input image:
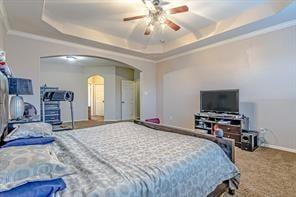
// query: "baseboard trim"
[[279, 148], [112, 120], [69, 121]]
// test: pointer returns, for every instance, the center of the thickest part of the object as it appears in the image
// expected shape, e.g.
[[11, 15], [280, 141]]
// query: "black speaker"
[[249, 141]]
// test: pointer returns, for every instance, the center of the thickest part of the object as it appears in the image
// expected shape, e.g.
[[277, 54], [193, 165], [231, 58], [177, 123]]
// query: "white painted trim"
[[241, 37], [113, 120], [69, 121], [279, 148], [56, 41]]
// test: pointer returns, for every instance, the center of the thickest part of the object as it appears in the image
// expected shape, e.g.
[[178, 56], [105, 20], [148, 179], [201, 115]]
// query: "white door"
[[91, 97], [99, 99], [128, 98]]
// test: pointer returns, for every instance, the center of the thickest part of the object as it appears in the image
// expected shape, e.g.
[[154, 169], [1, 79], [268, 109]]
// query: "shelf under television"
[[233, 124], [216, 122], [203, 128]]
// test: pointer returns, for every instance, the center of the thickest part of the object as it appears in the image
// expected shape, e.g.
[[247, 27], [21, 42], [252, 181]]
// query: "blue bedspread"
[[28, 141], [36, 189]]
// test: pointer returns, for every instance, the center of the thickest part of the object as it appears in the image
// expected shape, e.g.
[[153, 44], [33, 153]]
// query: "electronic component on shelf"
[[58, 95], [224, 122]]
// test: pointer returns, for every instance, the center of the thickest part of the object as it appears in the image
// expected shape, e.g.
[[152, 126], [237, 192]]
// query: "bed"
[[145, 159]]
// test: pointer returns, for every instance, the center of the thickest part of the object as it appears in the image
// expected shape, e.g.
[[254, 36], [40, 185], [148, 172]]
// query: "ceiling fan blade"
[[162, 3], [172, 25], [147, 31], [180, 9], [134, 18]]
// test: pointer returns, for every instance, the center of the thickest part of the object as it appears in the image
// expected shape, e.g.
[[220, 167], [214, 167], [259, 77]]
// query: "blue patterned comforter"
[[126, 159]]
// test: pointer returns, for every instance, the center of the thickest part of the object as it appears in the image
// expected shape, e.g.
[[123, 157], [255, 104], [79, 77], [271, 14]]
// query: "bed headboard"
[[4, 96]]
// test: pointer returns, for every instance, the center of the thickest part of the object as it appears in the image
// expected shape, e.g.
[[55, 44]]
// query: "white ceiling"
[[99, 23]]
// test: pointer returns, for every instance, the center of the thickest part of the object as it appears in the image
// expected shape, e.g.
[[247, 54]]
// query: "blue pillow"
[[36, 189], [28, 141]]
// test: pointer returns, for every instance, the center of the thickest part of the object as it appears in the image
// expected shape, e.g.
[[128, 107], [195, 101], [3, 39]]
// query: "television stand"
[[232, 125]]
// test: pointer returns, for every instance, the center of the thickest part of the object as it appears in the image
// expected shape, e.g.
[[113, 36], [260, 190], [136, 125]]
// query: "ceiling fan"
[[156, 14]]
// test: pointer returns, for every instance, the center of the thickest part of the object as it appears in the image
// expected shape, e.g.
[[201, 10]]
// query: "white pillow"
[[36, 129], [20, 165]]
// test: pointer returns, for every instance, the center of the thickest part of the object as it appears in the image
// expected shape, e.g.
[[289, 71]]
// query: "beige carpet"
[[97, 118], [89, 123], [264, 173]]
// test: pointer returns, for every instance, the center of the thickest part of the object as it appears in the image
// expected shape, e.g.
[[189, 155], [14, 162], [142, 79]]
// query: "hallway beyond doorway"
[[97, 118], [96, 98]]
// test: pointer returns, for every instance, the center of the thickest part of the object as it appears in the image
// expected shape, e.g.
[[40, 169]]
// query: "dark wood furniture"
[[232, 125], [227, 146]]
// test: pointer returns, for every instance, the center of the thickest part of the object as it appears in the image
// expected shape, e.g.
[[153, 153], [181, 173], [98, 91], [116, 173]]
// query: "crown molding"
[[70, 44], [241, 37]]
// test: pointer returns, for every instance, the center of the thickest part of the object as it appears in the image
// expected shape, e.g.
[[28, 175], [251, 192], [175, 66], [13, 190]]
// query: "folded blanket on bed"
[[36, 189], [28, 141]]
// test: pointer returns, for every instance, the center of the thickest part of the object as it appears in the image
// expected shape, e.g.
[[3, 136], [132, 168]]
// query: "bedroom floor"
[[89, 123], [265, 172]]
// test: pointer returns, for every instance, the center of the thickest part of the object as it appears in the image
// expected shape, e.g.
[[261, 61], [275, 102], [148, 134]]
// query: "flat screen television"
[[220, 101]]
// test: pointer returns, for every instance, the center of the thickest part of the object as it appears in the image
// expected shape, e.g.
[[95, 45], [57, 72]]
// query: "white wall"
[[24, 52], [74, 78], [262, 67], [2, 33]]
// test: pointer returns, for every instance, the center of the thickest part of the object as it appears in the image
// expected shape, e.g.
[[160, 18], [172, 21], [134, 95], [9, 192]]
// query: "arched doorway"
[[96, 97], [72, 73]]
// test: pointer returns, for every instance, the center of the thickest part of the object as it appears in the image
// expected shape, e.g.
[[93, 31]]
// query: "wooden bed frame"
[[226, 144]]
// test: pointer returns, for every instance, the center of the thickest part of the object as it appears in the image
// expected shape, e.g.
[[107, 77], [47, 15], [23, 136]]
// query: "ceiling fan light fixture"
[[162, 19], [151, 27], [156, 15], [148, 20], [150, 6]]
